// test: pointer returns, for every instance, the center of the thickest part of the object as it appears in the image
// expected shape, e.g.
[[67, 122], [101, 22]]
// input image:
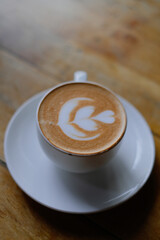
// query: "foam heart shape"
[[105, 117]]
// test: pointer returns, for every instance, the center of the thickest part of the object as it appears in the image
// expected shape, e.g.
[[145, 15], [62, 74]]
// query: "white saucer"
[[105, 188]]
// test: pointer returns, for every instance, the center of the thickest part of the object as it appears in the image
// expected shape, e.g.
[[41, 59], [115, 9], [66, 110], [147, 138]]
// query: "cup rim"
[[69, 152]]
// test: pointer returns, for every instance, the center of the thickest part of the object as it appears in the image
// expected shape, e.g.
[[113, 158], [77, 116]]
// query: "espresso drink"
[[82, 118]]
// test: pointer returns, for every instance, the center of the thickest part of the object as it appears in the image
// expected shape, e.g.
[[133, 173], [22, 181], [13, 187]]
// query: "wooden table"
[[42, 43]]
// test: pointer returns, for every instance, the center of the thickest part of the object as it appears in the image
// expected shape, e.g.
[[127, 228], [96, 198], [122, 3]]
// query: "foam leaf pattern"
[[83, 118], [87, 124], [105, 117], [70, 130], [84, 113]]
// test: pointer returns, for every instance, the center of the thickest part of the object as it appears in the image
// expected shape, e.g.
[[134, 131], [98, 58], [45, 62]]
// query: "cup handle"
[[80, 76]]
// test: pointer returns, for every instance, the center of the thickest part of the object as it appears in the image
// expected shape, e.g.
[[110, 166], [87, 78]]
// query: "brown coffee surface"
[[82, 118]]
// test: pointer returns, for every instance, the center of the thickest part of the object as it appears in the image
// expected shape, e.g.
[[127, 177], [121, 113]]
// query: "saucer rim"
[[123, 200]]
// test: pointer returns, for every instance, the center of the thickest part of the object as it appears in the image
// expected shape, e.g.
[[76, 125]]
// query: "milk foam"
[[82, 118]]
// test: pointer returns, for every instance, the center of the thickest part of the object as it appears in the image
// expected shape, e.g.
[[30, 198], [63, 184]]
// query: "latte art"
[[83, 119]]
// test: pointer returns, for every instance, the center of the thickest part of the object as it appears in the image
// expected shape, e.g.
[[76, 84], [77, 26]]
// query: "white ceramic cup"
[[76, 162]]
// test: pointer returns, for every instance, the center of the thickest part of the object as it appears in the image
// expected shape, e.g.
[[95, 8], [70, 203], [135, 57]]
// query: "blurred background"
[[117, 42]]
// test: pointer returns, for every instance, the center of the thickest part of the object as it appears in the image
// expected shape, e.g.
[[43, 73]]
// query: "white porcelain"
[[77, 162], [91, 192]]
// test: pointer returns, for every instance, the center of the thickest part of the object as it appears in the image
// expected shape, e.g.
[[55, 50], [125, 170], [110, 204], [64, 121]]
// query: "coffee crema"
[[82, 118]]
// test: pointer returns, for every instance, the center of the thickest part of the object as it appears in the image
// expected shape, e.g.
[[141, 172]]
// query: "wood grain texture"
[[120, 31], [116, 42], [18, 81], [42, 43]]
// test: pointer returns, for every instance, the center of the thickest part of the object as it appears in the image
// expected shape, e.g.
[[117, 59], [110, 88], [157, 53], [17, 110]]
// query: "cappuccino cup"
[[80, 124]]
